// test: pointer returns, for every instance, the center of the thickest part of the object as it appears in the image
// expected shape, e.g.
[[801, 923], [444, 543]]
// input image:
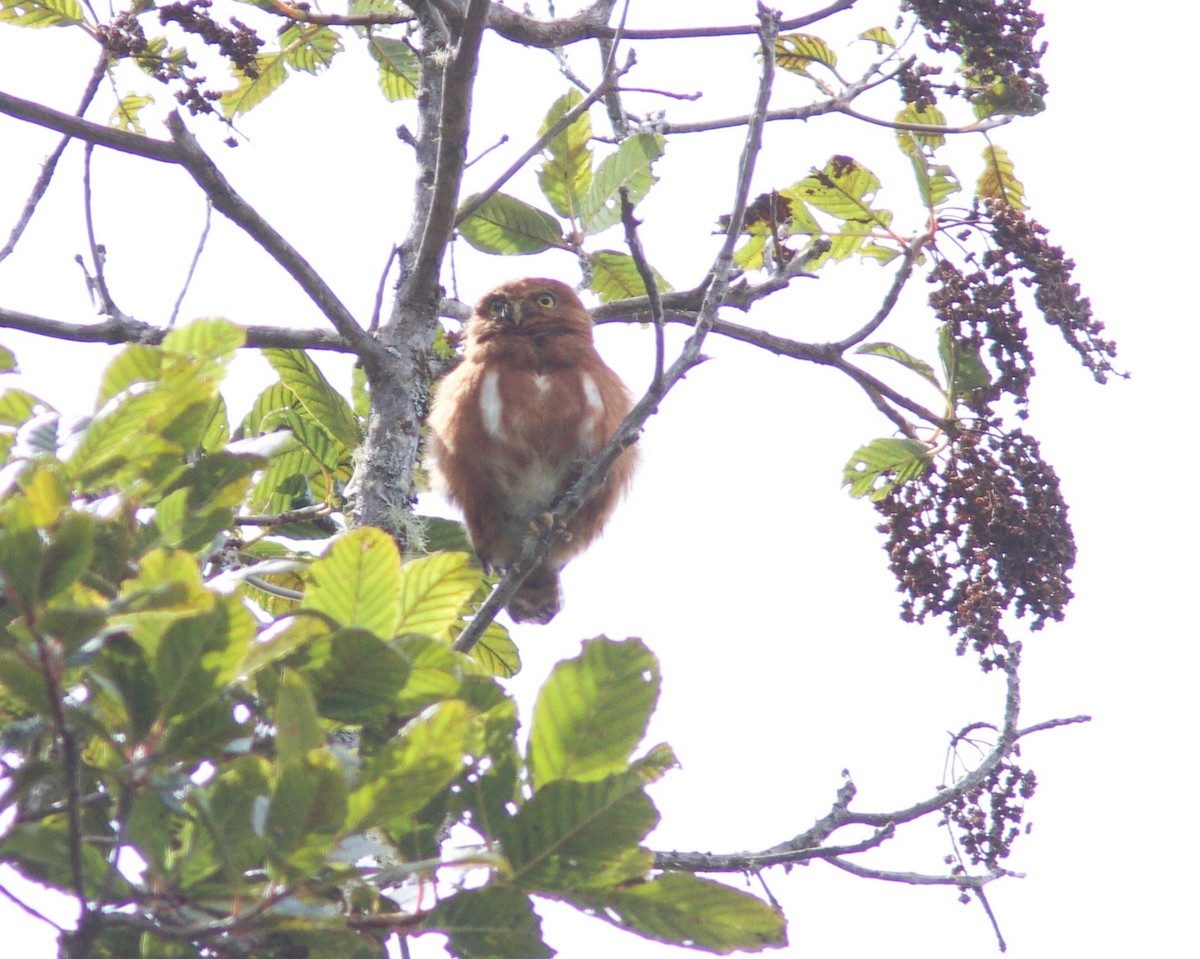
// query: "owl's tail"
[[539, 599]]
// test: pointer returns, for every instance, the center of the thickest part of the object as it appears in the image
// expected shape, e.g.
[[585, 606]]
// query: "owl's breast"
[[540, 426]]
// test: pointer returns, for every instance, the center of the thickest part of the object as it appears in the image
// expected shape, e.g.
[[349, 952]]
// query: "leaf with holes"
[[998, 179], [877, 467], [796, 52], [566, 173], [630, 168]]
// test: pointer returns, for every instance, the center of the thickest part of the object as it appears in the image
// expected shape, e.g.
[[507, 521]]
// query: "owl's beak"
[[513, 312]]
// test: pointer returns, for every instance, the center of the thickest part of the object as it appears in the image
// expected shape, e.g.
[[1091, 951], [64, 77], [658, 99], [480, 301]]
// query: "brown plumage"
[[513, 424]]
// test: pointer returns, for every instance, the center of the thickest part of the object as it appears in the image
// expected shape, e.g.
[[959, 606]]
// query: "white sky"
[[760, 585]]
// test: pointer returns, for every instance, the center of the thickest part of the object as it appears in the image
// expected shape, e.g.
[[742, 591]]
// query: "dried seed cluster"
[[988, 818], [996, 40], [984, 532], [126, 38]]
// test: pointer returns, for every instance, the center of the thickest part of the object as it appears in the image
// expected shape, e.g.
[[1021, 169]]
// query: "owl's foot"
[[545, 525]]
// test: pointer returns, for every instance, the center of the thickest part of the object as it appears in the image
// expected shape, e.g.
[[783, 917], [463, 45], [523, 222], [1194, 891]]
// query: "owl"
[[512, 426]]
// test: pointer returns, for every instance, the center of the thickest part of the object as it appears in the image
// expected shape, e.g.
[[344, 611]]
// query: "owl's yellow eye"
[[545, 300], [496, 306]]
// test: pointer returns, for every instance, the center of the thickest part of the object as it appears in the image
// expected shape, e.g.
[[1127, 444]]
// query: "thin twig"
[[889, 301], [633, 241], [48, 167], [394, 254], [107, 306], [24, 906], [281, 591], [298, 515], [187, 280]]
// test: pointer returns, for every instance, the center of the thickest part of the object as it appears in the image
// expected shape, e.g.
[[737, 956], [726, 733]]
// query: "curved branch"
[[588, 25], [807, 845]]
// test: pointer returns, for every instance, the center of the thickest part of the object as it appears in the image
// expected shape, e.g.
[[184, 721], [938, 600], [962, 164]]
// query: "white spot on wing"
[[587, 427], [490, 405], [591, 393], [542, 383]]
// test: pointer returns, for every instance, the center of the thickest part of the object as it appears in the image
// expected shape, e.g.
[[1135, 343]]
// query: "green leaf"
[[201, 501], [69, 553], [877, 467], [306, 813], [309, 47], [903, 357], [796, 52], [17, 406], [880, 36], [931, 116], [615, 276], [199, 656], [125, 113], [566, 173], [842, 189], [495, 922], [497, 653], [629, 167], [504, 224], [426, 756], [592, 712], [572, 834], [356, 677], [399, 69], [434, 591], [40, 13], [251, 91], [358, 582], [297, 728], [316, 396], [435, 672], [8, 360], [686, 910], [216, 432], [964, 367], [121, 670], [136, 363], [213, 341], [998, 179], [22, 553]]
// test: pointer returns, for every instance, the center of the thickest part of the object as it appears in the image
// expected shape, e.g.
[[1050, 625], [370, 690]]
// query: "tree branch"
[[588, 25], [807, 845], [115, 331]]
